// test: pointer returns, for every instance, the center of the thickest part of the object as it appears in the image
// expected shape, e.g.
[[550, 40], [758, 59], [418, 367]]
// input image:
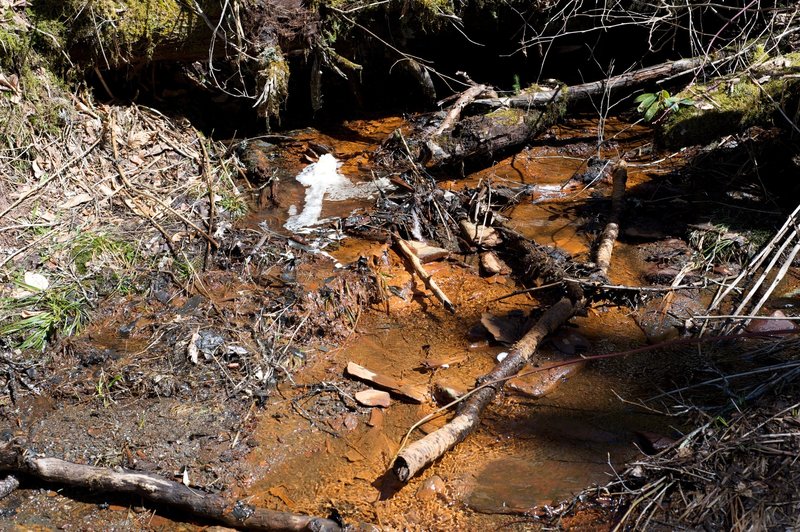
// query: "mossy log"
[[473, 138], [725, 106]]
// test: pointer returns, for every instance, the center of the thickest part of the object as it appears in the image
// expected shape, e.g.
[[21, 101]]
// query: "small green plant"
[[652, 104], [103, 387], [37, 316], [234, 204], [94, 250], [516, 86]]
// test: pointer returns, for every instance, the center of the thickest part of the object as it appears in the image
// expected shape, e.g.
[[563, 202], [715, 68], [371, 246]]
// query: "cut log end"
[[401, 469]]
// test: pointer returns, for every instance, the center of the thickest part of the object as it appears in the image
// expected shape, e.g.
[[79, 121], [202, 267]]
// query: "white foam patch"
[[323, 181]]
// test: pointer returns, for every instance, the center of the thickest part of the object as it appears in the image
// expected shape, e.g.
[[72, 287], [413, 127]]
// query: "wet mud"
[[124, 393]]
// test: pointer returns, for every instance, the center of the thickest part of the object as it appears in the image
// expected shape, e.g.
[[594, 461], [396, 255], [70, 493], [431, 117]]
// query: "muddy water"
[[529, 451]]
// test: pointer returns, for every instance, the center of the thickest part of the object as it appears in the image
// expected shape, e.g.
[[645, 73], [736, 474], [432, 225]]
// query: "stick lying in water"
[[424, 451], [430, 284], [605, 244], [15, 458]]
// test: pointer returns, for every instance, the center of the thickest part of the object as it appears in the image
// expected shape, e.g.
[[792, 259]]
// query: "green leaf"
[[651, 112]]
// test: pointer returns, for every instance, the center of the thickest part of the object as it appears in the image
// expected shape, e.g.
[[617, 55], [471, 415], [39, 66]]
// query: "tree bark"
[[15, 459]]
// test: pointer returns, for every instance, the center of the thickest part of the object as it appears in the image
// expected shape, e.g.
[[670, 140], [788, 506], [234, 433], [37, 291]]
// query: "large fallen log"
[[16, 459], [576, 94], [424, 451], [498, 125]]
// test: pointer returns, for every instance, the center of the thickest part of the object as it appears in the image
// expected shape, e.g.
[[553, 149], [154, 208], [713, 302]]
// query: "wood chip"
[[374, 398], [415, 393], [427, 253], [480, 235]]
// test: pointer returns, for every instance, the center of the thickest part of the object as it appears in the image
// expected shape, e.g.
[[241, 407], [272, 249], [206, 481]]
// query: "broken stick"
[[15, 458], [605, 244], [430, 284], [455, 111], [424, 451]]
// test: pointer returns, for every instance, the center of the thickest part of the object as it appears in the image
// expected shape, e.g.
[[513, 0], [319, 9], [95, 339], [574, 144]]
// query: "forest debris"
[[373, 398], [427, 253], [430, 284], [15, 458], [605, 243], [76, 200], [455, 111], [8, 485], [424, 451], [480, 235], [492, 265], [504, 329], [413, 392]]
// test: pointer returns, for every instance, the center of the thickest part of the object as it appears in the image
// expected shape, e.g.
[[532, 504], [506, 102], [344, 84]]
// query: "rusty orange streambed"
[[310, 448], [529, 451]]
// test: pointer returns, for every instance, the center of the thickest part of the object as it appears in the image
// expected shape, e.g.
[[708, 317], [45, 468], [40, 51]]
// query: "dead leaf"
[[504, 329], [136, 140], [76, 200]]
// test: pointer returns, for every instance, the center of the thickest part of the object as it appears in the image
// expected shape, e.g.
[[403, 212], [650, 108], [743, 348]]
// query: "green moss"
[[724, 107], [507, 116], [118, 32]]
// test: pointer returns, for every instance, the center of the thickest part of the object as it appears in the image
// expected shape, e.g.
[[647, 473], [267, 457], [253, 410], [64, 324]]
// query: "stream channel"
[[308, 449]]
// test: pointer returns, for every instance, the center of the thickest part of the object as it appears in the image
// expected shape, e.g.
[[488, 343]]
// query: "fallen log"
[[605, 243], [498, 125], [424, 451], [16, 459], [581, 93]]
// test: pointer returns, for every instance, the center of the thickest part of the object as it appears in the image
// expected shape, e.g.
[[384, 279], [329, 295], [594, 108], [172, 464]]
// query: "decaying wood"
[[424, 451], [14, 458], [409, 391], [605, 244], [539, 263], [430, 284], [580, 93], [455, 110], [8, 485]]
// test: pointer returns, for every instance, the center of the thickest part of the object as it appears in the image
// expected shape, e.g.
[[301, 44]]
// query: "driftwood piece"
[[14, 458], [409, 391], [424, 451], [605, 244], [583, 92], [430, 284]]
